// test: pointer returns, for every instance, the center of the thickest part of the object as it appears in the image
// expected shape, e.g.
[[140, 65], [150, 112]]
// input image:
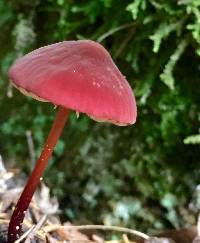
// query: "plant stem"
[[15, 225]]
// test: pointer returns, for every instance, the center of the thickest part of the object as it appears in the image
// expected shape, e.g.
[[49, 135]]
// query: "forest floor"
[[42, 222]]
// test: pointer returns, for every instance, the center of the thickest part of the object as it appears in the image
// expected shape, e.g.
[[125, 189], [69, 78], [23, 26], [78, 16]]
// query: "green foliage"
[[140, 176], [167, 75], [135, 7], [193, 139]]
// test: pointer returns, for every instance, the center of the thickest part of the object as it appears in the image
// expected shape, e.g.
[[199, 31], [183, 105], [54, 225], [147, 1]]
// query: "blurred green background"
[[143, 176]]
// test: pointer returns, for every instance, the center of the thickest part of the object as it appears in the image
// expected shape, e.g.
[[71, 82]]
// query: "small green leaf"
[[193, 139]]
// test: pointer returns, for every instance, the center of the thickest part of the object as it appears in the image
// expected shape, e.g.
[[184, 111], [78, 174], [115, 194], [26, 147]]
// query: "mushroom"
[[73, 75]]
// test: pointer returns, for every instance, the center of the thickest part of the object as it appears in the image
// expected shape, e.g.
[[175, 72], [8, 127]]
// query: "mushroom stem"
[[15, 225]]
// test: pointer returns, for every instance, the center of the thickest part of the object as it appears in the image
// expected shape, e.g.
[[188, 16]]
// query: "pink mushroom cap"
[[78, 75]]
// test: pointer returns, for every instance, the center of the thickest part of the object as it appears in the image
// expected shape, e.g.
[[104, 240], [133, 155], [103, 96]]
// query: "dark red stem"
[[15, 226]]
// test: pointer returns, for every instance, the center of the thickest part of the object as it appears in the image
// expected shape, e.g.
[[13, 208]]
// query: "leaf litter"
[[42, 222]]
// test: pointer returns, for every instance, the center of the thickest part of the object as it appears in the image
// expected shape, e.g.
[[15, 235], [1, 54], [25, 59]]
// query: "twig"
[[97, 227], [2, 167], [3, 215], [97, 239], [30, 147], [28, 224], [125, 238], [25, 234], [4, 221], [124, 43], [10, 90], [116, 29], [36, 228], [198, 226]]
